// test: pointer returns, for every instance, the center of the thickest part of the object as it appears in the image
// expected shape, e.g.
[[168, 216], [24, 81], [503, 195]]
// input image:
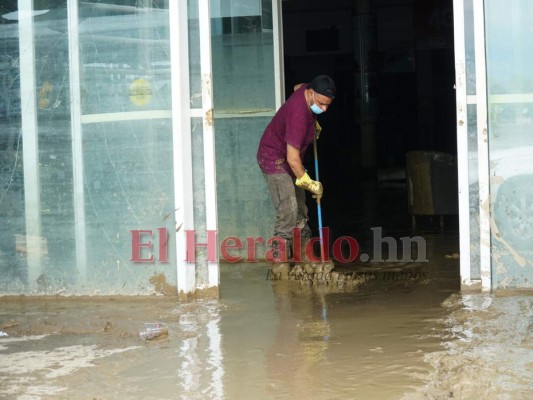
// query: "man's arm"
[[303, 180], [294, 160]]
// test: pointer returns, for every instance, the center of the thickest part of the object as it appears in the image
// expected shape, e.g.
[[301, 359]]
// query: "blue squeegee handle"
[[319, 210]]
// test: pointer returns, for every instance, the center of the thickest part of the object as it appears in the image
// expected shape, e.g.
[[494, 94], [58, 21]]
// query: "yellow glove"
[[305, 182]]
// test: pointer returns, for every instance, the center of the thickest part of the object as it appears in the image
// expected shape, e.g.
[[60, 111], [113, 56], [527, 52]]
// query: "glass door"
[[472, 179], [495, 145], [509, 52], [248, 81]]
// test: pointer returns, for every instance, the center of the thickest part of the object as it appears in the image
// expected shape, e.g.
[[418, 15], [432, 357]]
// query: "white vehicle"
[[511, 183]]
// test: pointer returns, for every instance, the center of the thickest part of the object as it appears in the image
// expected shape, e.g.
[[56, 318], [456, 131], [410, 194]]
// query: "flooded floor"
[[390, 336]]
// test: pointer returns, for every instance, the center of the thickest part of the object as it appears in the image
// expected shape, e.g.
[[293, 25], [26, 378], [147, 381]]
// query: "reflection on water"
[[277, 340], [201, 370], [488, 352]]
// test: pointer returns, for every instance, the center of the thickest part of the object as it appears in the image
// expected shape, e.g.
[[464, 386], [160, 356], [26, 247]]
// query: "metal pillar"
[[30, 140]]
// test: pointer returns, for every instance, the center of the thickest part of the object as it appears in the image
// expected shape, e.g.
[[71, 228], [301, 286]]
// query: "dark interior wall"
[[414, 67], [396, 84], [311, 48]]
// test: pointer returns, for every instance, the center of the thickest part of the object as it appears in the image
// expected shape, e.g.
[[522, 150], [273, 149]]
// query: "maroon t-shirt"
[[294, 123]]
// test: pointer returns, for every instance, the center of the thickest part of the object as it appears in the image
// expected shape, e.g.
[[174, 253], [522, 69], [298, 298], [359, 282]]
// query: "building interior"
[[393, 63]]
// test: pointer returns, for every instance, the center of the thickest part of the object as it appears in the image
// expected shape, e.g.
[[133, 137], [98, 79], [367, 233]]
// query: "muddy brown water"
[[384, 338]]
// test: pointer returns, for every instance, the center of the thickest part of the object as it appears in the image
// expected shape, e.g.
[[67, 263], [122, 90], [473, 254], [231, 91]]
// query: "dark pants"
[[289, 203]]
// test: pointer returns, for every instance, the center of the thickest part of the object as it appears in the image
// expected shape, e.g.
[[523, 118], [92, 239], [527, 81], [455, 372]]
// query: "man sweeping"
[[280, 154]]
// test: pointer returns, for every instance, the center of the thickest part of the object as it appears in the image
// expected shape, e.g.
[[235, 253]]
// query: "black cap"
[[324, 85]]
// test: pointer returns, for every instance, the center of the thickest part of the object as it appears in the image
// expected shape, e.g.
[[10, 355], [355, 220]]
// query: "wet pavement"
[[385, 336]]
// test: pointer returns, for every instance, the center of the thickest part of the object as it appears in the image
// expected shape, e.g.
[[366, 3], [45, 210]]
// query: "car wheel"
[[513, 211]]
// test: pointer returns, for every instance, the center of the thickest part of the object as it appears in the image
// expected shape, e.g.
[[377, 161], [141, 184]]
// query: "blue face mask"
[[316, 109]]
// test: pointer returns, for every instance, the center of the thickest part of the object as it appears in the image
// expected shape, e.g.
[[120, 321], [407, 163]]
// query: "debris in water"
[[152, 330], [453, 256]]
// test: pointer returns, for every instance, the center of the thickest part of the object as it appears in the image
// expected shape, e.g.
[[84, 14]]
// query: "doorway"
[[393, 63]]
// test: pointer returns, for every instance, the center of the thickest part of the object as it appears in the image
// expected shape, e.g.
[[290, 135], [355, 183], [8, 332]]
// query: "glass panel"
[[195, 79], [125, 56], [55, 155], [510, 89], [247, 199], [473, 180], [198, 177], [470, 58], [243, 58], [12, 263], [128, 167], [128, 187], [54, 164]]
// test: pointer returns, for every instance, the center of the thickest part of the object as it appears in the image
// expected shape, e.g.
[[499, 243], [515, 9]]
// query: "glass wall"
[[86, 184], [87, 197], [510, 108]]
